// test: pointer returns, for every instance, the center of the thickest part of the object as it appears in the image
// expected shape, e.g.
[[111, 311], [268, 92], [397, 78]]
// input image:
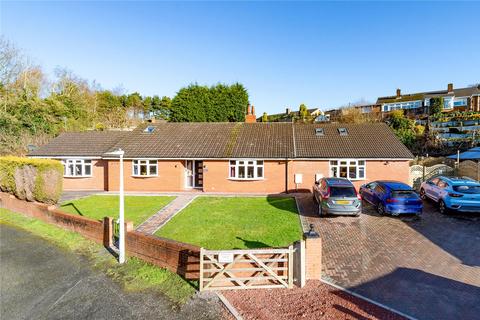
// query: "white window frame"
[[149, 163], [349, 163], [235, 165], [77, 163]]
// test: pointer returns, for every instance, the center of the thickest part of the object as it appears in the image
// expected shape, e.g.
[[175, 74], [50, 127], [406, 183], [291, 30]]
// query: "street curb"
[[368, 300], [229, 306]]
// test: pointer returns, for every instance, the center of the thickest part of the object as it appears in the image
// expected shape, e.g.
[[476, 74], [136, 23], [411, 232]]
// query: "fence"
[[469, 169], [419, 173]]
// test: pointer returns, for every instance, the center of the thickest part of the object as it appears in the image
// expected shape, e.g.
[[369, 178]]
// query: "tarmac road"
[[39, 280]]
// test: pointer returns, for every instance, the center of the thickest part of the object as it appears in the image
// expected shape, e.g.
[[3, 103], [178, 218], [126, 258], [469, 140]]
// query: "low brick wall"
[[177, 257], [89, 228]]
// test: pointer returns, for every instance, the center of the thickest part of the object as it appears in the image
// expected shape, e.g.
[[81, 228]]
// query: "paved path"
[[160, 218], [428, 268], [41, 281]]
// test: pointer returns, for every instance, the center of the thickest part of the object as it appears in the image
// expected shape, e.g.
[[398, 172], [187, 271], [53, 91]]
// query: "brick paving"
[[160, 218], [426, 267]]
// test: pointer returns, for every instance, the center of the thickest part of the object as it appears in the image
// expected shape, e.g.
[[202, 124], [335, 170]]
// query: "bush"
[[32, 179]]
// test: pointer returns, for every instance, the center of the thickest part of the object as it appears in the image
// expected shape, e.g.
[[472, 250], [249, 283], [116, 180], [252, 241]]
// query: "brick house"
[[229, 157]]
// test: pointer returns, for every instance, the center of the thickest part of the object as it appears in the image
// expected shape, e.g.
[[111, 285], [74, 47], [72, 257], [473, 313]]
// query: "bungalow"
[[229, 157]]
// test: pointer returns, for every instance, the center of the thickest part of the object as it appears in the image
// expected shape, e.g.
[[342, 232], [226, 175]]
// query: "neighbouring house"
[[290, 116], [462, 99], [245, 157]]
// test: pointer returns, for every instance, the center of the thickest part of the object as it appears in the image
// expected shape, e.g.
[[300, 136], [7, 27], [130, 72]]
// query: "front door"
[[194, 174]]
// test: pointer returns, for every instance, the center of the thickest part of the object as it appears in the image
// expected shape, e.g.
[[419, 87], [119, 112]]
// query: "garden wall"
[[177, 257]]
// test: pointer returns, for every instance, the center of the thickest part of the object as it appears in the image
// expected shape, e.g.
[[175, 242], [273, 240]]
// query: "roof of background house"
[[86, 143], [235, 140], [289, 115], [460, 92]]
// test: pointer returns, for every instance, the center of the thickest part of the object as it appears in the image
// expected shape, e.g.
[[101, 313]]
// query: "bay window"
[[77, 168], [145, 168], [245, 169], [350, 169]]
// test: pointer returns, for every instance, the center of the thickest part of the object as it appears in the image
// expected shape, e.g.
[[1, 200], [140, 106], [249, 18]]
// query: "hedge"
[[32, 179]]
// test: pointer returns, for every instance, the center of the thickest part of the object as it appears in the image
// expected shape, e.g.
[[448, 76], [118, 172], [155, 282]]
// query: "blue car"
[[452, 194], [392, 197]]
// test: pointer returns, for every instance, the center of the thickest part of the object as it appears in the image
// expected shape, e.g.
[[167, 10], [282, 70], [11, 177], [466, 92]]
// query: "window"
[[77, 168], [246, 169], [319, 132], [343, 131], [347, 192], [459, 102], [350, 169], [145, 168], [402, 105], [447, 103]]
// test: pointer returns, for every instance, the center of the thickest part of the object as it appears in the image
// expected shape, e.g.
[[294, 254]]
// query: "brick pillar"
[[313, 255], [108, 232]]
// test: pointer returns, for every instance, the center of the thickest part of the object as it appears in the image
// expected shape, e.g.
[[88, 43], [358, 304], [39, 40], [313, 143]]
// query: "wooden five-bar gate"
[[246, 269]]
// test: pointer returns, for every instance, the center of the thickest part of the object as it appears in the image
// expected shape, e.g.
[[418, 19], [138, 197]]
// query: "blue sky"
[[323, 54]]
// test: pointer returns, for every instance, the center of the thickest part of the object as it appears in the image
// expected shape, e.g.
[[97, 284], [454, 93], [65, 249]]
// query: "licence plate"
[[342, 202]]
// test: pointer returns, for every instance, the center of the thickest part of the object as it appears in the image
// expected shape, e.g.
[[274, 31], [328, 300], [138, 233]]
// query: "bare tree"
[[12, 62]]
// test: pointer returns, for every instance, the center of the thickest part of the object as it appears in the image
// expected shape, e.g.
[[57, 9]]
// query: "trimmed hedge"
[[32, 179]]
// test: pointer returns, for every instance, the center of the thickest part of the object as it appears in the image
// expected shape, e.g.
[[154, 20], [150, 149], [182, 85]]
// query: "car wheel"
[[442, 207], [423, 195], [381, 209]]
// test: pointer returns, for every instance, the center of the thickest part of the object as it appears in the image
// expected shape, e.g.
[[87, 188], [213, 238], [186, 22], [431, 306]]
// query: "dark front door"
[[198, 174]]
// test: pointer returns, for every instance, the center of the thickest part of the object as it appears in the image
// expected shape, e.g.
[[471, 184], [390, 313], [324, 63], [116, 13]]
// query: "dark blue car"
[[392, 197]]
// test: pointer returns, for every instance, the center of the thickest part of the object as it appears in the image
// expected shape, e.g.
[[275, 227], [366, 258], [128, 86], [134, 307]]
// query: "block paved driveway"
[[428, 268]]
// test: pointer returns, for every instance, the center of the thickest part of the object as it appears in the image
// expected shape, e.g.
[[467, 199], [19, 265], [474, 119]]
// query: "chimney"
[[287, 111], [450, 88], [250, 116], [399, 93]]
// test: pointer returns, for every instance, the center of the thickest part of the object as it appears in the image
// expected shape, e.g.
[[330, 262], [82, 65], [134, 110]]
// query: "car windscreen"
[[404, 194], [348, 192], [467, 189]]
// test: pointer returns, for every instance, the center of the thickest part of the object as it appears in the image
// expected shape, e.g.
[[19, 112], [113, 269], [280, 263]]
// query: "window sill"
[[149, 176], [246, 179], [78, 177]]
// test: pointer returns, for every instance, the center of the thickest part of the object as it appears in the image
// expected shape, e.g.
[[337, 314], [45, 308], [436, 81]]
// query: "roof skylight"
[[343, 131], [149, 129]]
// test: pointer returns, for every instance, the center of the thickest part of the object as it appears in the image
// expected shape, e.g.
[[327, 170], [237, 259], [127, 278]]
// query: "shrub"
[[32, 179]]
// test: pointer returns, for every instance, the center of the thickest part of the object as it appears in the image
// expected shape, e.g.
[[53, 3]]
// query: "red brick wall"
[[216, 178], [171, 177], [92, 229], [98, 180], [178, 257], [375, 170]]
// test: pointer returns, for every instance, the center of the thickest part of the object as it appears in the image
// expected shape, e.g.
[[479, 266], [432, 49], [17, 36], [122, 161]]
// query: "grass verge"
[[137, 208], [236, 223], [134, 275]]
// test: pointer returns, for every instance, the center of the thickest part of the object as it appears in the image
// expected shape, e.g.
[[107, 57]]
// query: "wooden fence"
[[246, 269], [469, 169]]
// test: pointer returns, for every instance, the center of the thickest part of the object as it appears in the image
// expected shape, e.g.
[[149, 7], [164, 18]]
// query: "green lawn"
[[137, 208], [236, 223], [134, 275]]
